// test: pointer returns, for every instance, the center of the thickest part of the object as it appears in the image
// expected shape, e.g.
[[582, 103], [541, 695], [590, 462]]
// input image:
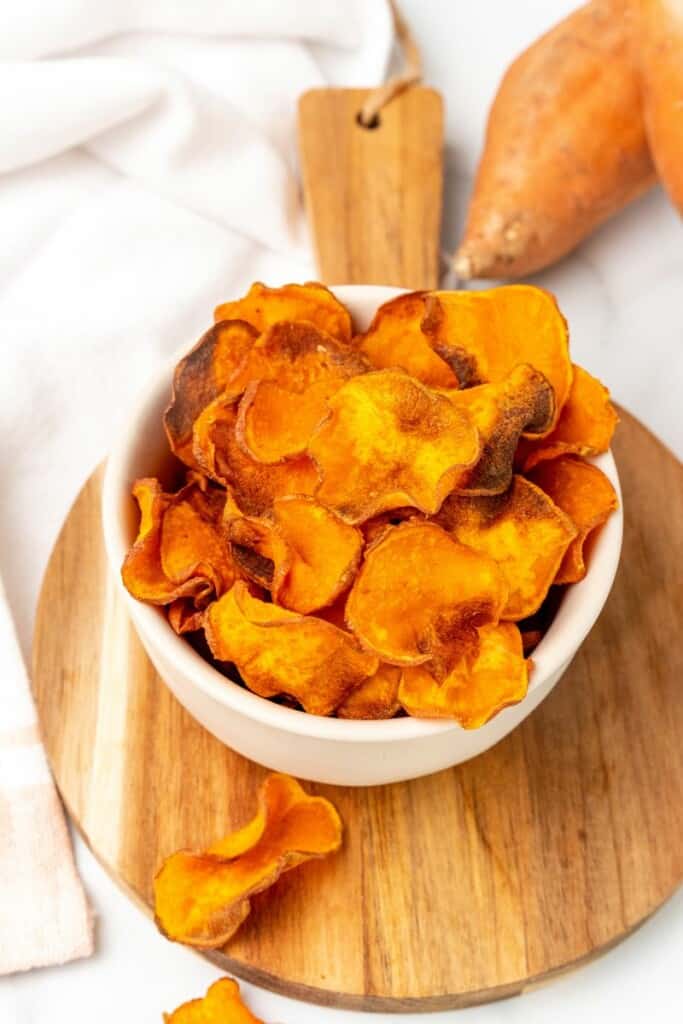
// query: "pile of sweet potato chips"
[[369, 524]]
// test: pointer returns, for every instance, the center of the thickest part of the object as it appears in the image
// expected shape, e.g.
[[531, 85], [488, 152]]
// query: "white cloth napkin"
[[147, 172]]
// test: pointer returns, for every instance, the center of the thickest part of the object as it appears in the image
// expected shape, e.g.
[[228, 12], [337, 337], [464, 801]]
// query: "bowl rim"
[[553, 653]]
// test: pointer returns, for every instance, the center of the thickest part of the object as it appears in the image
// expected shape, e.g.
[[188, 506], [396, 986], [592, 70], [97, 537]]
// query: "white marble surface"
[[622, 294]]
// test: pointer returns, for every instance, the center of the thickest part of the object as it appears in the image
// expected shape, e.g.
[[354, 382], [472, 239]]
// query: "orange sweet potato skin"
[[565, 146], [659, 31]]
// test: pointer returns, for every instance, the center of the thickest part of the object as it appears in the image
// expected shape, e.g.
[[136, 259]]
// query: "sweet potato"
[[659, 32], [565, 146]]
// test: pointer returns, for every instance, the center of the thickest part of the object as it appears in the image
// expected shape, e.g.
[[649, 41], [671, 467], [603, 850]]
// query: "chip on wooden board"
[[201, 899], [585, 427], [588, 498], [395, 339], [477, 687], [420, 594], [277, 651], [483, 335], [523, 530], [263, 306], [390, 441]]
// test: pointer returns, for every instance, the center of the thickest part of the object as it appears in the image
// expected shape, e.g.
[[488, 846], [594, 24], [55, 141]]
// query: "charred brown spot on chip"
[[502, 412], [201, 376], [585, 427]]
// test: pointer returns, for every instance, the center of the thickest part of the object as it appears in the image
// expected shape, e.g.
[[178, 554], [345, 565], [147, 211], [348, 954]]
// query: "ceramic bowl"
[[353, 753]]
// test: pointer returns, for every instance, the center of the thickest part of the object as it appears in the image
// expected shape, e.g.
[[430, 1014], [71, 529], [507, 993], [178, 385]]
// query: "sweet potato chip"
[[419, 594], [222, 1004], [201, 899], [179, 551], [395, 339], [377, 697], [324, 554], [522, 530], [203, 375], [304, 554], [262, 307], [483, 335], [585, 427], [290, 374], [253, 486], [390, 441], [501, 411], [588, 498], [298, 355], [193, 543], [278, 651], [477, 688]]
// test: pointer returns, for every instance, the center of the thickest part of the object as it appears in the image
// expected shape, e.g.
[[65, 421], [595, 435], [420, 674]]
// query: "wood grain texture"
[[466, 886], [373, 195]]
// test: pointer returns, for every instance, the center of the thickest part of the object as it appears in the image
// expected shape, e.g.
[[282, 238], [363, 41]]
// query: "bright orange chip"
[[324, 554], [193, 543], [483, 335], [522, 530], [222, 1004], [297, 355], [585, 427], [522, 401], [588, 498], [203, 375], [395, 338], [253, 486], [164, 563], [377, 697], [201, 899], [419, 594], [305, 554], [390, 441], [262, 307], [290, 374], [477, 688], [277, 651]]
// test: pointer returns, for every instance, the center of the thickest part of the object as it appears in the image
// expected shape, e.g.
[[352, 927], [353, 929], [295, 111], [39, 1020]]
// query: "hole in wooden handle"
[[374, 122]]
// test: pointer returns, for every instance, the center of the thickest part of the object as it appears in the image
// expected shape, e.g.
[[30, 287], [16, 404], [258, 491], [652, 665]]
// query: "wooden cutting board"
[[466, 886]]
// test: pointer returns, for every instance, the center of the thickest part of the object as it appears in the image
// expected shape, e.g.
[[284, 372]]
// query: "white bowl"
[[353, 753]]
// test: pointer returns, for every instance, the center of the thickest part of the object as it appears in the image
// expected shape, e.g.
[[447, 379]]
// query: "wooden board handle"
[[374, 195]]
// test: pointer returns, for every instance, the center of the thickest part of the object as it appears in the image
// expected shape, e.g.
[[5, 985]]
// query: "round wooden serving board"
[[467, 886]]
